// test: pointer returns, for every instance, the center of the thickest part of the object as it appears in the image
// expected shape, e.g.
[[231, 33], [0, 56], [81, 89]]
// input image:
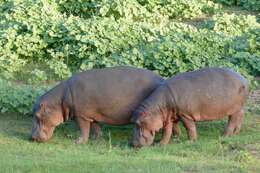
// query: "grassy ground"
[[211, 153]]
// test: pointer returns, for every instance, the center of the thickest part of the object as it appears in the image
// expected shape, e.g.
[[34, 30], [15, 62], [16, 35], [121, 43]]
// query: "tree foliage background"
[[48, 40]]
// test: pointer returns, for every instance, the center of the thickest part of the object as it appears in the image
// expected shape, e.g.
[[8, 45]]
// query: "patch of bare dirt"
[[255, 96]]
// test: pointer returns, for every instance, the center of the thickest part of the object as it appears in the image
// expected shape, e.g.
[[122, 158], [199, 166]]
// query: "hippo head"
[[45, 118], [146, 125]]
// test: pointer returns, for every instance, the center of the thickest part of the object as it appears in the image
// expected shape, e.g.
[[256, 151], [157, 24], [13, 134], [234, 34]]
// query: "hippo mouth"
[[42, 136], [140, 139]]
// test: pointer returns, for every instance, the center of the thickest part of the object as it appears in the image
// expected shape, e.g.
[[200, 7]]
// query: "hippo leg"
[[95, 130], [190, 126], [167, 132], [234, 123], [176, 129], [84, 126]]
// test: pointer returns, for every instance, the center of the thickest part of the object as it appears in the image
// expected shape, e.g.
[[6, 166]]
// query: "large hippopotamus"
[[202, 95], [108, 95]]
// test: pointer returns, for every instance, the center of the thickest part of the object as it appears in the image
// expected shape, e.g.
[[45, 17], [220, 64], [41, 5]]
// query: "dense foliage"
[[18, 98], [246, 4], [43, 40]]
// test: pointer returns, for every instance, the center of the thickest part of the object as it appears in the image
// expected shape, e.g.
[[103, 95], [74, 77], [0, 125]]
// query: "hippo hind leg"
[[234, 123]]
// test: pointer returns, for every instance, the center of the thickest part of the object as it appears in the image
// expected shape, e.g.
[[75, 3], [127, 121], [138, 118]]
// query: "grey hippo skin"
[[108, 95], [202, 95]]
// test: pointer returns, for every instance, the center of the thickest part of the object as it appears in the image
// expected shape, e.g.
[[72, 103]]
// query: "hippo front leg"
[[167, 133], [190, 126], [176, 129], [84, 126]]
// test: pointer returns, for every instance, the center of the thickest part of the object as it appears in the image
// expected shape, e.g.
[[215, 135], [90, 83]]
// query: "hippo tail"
[[244, 89]]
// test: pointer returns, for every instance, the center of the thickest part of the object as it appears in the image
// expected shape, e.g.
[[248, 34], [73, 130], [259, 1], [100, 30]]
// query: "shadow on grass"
[[15, 126]]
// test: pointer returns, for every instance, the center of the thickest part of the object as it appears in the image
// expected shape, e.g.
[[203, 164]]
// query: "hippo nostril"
[[34, 138], [134, 144]]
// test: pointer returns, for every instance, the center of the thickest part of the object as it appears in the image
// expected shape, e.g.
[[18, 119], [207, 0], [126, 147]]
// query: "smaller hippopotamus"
[[203, 95], [108, 95]]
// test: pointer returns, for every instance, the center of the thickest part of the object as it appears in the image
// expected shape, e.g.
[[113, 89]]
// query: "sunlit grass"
[[111, 153]]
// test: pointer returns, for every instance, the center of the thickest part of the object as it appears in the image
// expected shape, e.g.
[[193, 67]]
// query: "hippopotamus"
[[202, 95], [108, 95]]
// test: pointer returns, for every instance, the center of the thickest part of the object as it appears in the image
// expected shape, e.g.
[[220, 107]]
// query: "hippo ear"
[[43, 106]]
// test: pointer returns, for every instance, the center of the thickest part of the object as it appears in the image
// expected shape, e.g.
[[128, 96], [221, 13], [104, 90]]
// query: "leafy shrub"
[[63, 38], [230, 24], [138, 9], [39, 33], [25, 33], [181, 9], [245, 51], [85, 8], [180, 52], [37, 76], [17, 98], [246, 4]]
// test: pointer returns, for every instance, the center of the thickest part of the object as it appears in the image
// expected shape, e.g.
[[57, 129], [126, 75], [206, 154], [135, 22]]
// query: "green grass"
[[210, 153]]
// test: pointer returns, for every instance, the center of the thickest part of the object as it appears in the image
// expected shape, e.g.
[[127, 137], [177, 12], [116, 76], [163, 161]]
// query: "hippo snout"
[[38, 137], [35, 138], [135, 144], [139, 139]]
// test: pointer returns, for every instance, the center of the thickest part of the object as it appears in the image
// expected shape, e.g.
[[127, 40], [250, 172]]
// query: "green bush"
[[246, 4], [244, 51], [232, 24], [17, 98], [50, 40], [181, 9], [36, 32], [137, 9], [27, 29]]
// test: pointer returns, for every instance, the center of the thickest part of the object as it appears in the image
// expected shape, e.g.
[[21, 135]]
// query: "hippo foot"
[[191, 141], [80, 140], [164, 142]]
